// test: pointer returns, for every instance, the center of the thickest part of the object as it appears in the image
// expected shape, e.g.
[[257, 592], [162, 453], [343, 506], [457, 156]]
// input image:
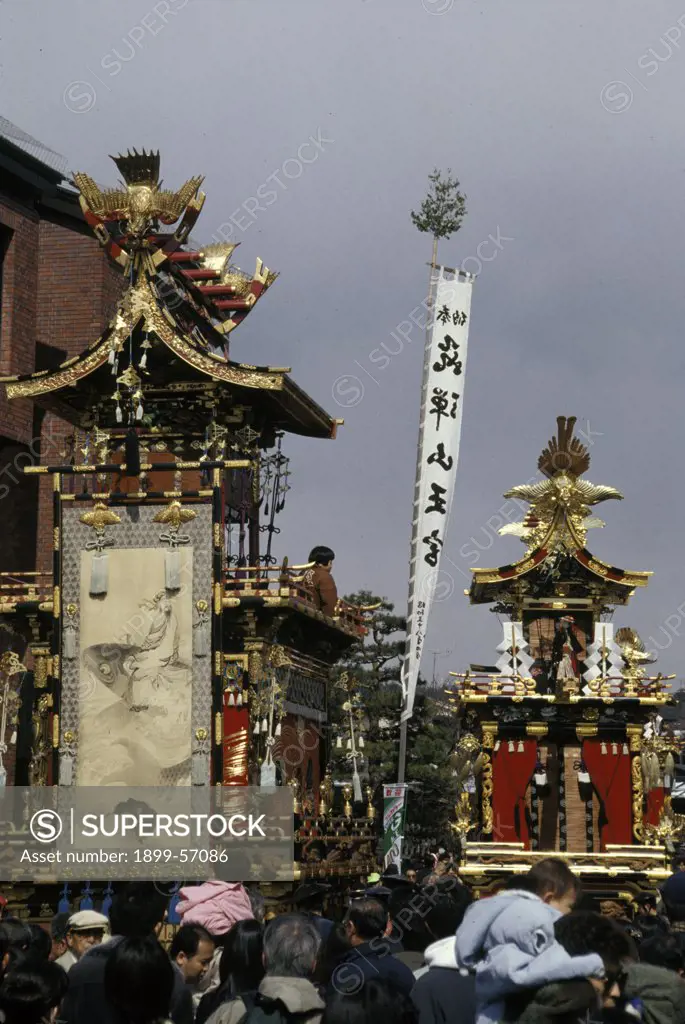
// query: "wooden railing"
[[22, 587], [287, 581], [474, 685]]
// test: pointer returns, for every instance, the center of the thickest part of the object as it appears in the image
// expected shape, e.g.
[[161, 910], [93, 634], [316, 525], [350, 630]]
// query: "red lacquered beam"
[[199, 275], [217, 289], [233, 304], [185, 257]]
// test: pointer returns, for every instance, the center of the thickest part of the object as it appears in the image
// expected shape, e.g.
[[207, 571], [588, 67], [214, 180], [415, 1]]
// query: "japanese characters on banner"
[[393, 823], [442, 398]]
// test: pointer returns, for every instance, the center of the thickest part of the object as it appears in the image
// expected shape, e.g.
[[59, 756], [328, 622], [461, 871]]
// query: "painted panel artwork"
[[135, 695]]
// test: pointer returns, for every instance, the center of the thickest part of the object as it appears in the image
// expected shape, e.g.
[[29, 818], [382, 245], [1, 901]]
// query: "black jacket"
[[443, 994], [370, 960], [85, 1000]]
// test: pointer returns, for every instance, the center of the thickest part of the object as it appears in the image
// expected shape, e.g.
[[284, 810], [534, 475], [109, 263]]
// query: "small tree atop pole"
[[440, 213]]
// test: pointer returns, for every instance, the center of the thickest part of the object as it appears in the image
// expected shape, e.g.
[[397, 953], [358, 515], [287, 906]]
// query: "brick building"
[[57, 292]]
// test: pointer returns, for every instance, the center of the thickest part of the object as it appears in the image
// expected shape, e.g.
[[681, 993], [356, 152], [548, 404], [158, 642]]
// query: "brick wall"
[[59, 290]]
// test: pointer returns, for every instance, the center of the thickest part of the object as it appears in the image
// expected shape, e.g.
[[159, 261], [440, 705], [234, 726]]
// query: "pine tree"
[[376, 664], [441, 212]]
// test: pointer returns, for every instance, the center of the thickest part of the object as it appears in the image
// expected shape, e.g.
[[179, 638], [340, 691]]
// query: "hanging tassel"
[[255, 731], [231, 701], [669, 771], [13, 738], [498, 744], [356, 787], [349, 744], [267, 774], [66, 770], [143, 361], [511, 746], [654, 772], [625, 748], [199, 770], [278, 730], [111, 357], [172, 571], [265, 725], [338, 743], [521, 747], [99, 573], [119, 414], [200, 638], [132, 453], [69, 643], [614, 748], [360, 743], [239, 700], [139, 411], [604, 747]]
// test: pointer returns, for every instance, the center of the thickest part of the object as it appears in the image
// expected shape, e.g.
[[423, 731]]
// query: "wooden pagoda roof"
[[190, 354], [489, 585]]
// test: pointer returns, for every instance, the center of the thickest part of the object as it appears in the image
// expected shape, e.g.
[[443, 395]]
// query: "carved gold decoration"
[[69, 736], [464, 818], [55, 731], [40, 670], [99, 517], [486, 791], [10, 665], [201, 735], [636, 779], [144, 201], [634, 733], [560, 505], [538, 729], [218, 728], [174, 515], [489, 733], [585, 731]]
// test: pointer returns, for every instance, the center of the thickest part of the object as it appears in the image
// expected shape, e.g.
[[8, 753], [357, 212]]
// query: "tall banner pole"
[[442, 393]]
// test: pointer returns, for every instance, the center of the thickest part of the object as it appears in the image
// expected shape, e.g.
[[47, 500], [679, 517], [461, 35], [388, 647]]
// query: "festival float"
[[164, 500], [568, 749]]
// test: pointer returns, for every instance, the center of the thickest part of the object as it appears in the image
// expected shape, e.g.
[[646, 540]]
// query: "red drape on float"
[[610, 774], [512, 771], [236, 726], [655, 802]]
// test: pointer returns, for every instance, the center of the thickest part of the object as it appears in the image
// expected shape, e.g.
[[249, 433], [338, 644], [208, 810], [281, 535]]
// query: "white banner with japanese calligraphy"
[[442, 397]]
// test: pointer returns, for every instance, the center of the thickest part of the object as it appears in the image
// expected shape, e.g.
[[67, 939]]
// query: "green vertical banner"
[[394, 810]]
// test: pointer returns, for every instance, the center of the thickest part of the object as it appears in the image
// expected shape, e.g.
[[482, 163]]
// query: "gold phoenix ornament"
[[140, 200], [562, 500]]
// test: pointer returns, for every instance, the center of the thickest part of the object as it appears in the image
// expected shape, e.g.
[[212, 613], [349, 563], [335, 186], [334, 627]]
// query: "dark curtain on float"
[[610, 775], [512, 771]]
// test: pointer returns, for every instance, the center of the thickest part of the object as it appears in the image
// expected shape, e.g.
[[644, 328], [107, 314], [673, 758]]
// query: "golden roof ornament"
[[561, 504], [140, 200]]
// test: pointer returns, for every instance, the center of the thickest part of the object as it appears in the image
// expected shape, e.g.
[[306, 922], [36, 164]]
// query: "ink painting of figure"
[[135, 702]]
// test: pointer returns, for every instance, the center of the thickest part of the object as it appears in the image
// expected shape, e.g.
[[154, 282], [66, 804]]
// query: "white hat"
[[87, 921]]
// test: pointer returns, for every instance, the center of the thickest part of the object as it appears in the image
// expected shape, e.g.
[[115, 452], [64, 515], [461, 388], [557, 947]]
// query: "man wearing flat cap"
[[85, 929]]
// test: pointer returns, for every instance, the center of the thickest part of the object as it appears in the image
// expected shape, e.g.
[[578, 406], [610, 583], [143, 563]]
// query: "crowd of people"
[[411, 949]]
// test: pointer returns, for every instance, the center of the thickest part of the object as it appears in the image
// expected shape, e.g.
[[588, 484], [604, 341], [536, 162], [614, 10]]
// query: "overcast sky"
[[564, 123]]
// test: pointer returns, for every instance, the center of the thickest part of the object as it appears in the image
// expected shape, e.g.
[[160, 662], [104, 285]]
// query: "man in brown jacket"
[[319, 581]]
